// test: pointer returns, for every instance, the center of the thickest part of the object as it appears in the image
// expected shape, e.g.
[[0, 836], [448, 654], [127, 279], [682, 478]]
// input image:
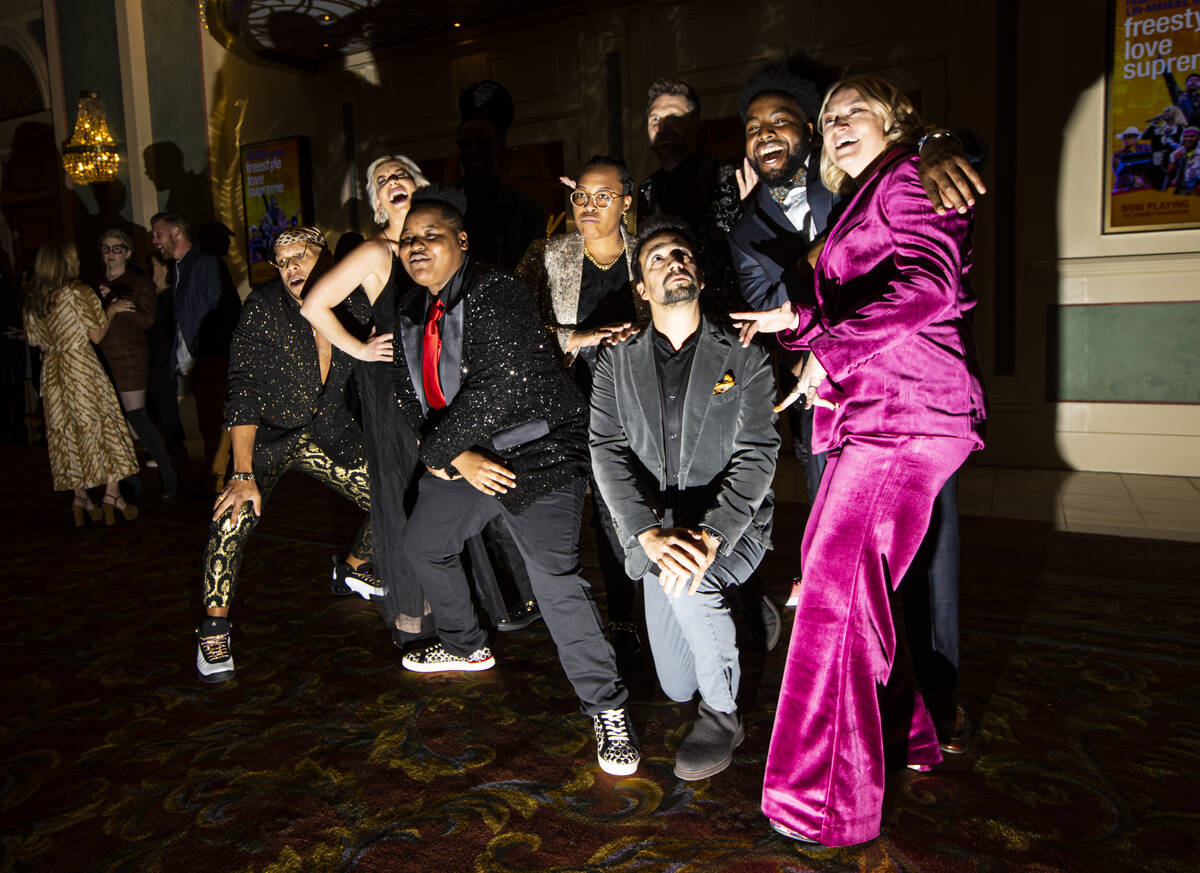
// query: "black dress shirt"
[[604, 298], [674, 369]]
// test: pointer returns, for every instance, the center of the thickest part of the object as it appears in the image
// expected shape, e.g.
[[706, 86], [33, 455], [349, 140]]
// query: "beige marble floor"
[[1117, 504]]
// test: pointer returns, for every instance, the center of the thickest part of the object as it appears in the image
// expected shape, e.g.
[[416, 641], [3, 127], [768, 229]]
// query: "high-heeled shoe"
[[81, 507], [113, 505]]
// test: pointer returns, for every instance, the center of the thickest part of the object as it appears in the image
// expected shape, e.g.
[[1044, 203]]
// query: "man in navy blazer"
[[683, 446]]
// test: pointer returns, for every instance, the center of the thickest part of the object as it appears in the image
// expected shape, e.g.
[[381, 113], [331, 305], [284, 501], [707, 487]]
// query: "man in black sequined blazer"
[[503, 433], [285, 409]]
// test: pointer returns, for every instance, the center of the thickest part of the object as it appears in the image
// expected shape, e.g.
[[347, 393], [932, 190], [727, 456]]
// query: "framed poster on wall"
[[276, 195], [1152, 130]]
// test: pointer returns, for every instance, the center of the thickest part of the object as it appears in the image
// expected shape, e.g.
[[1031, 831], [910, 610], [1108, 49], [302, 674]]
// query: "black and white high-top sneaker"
[[214, 659], [347, 580], [617, 747]]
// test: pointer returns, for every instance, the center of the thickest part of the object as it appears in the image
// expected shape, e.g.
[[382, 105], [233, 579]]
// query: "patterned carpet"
[[1080, 670]]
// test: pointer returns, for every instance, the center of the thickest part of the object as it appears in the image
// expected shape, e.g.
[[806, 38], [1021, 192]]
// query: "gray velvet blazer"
[[728, 446], [552, 269]]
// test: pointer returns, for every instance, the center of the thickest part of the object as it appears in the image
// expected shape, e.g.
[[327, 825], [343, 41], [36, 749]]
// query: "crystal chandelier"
[[90, 155]]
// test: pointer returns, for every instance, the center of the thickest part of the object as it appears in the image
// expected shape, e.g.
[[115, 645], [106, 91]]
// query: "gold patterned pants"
[[223, 555]]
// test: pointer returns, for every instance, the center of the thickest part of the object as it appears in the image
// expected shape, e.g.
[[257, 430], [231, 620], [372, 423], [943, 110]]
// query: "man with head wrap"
[[285, 409]]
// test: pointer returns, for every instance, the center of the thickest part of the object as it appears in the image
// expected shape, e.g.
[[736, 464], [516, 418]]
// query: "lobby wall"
[[1062, 305]]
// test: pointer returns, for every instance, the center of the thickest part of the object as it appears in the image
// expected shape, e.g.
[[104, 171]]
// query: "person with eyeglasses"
[[125, 347], [581, 281], [286, 410]]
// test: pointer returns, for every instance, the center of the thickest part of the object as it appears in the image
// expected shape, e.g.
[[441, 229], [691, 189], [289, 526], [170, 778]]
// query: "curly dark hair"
[[776, 80]]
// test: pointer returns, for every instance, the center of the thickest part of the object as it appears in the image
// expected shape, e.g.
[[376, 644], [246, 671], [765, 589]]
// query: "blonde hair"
[[373, 195], [119, 235], [900, 120], [56, 264], [1177, 117]]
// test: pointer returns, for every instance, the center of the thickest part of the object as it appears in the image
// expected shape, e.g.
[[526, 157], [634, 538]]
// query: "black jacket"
[[275, 381], [766, 247], [510, 380]]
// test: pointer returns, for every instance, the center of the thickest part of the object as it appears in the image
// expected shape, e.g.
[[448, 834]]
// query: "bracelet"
[[937, 134], [241, 477]]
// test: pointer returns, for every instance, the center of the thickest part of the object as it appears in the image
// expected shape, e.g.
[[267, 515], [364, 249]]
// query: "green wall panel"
[[177, 111], [1133, 353]]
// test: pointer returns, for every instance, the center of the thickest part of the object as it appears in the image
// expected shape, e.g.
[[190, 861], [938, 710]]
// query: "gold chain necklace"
[[600, 266]]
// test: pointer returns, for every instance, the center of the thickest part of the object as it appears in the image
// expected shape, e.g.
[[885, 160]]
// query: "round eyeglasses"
[[282, 264], [602, 199], [114, 250]]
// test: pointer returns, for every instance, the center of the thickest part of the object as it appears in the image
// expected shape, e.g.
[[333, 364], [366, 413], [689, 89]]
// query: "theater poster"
[[1152, 162], [277, 194]]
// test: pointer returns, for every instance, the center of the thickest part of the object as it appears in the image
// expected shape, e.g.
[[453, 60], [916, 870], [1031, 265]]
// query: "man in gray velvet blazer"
[[683, 445]]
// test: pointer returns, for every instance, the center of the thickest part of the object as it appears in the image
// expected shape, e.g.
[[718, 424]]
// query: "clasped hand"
[[681, 554], [807, 383], [121, 304]]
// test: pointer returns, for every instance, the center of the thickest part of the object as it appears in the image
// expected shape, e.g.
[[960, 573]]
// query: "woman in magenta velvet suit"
[[900, 405]]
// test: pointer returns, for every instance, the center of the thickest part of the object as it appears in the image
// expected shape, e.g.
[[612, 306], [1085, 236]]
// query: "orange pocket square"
[[724, 384]]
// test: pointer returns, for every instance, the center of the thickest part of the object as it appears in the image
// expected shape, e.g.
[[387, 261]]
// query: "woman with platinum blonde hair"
[[391, 447], [900, 405]]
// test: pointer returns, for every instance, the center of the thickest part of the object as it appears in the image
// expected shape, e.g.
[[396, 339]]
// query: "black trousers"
[[547, 535]]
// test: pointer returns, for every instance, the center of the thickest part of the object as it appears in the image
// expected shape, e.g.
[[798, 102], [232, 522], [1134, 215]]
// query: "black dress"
[[391, 448]]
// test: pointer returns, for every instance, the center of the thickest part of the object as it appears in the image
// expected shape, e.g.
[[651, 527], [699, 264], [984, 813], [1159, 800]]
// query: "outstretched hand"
[[767, 321]]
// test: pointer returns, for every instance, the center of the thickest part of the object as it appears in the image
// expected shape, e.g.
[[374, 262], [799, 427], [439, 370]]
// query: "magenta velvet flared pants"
[[825, 768]]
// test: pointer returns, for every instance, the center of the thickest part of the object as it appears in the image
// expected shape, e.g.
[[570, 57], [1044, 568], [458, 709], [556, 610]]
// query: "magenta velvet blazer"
[[890, 323]]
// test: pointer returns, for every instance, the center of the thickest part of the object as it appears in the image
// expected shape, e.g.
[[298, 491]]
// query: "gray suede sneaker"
[[708, 749]]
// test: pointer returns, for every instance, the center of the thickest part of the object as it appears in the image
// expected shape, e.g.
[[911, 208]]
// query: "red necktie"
[[431, 353]]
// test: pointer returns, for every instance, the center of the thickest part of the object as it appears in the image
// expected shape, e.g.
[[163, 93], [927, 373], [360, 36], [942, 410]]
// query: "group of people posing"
[[636, 363]]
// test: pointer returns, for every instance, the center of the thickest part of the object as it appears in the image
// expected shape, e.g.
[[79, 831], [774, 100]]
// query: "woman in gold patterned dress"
[[88, 439]]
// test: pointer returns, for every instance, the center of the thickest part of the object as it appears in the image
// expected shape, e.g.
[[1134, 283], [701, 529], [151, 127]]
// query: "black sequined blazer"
[[275, 381], [511, 381]]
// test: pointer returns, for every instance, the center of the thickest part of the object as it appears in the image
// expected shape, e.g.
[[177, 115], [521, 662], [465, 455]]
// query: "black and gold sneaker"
[[437, 658], [214, 659], [617, 747]]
